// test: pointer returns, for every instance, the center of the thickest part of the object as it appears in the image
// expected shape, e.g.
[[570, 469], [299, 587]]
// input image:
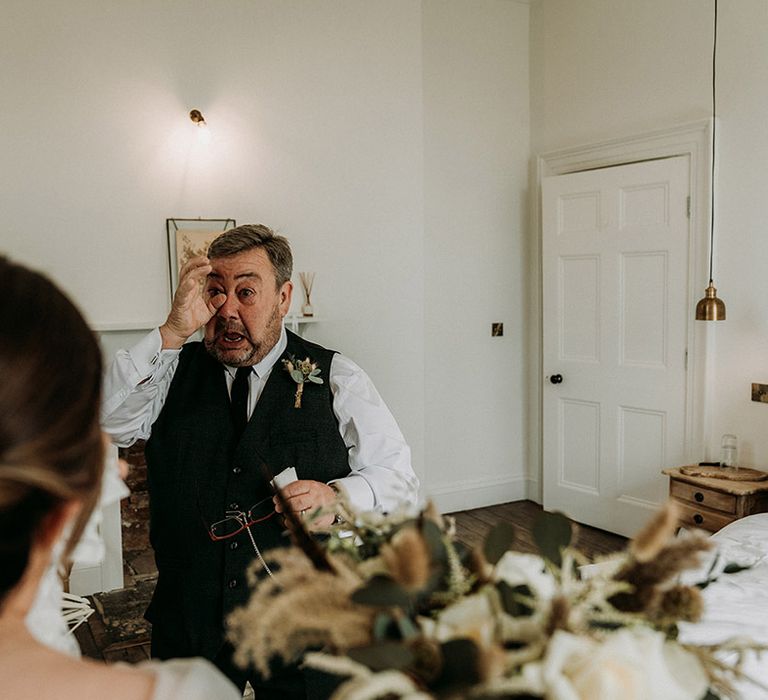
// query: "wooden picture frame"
[[188, 238]]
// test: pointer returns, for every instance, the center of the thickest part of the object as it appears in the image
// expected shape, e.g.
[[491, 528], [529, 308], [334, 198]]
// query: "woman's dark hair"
[[51, 448]]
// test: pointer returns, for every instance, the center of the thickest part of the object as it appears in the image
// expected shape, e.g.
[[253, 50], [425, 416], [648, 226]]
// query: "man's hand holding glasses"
[[304, 497]]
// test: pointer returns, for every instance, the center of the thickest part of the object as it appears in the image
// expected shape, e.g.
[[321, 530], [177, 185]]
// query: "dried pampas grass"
[[655, 535], [407, 559], [682, 603], [559, 615], [298, 608], [649, 578]]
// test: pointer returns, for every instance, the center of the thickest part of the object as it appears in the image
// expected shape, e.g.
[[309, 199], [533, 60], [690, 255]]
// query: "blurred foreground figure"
[[51, 457]]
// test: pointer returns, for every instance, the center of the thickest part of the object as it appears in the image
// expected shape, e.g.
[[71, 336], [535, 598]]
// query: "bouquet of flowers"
[[399, 608]]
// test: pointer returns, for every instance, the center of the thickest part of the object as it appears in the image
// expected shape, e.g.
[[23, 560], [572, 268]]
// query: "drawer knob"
[[698, 518], [698, 496]]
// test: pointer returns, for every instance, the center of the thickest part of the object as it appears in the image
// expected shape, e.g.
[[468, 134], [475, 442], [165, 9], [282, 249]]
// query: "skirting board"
[[478, 493]]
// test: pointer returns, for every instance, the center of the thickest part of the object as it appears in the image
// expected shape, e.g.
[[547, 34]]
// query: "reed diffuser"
[[307, 280]]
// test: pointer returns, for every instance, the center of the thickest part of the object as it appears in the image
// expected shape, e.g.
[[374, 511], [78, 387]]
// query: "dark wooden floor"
[[96, 640], [473, 525], [117, 632]]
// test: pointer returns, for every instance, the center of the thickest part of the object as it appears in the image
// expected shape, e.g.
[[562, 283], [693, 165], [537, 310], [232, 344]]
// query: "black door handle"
[[556, 379]]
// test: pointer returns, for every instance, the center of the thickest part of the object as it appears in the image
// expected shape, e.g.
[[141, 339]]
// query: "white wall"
[[317, 113], [475, 154], [609, 68], [315, 110]]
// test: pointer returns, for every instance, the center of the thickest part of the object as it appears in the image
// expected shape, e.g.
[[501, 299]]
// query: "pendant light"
[[710, 308]]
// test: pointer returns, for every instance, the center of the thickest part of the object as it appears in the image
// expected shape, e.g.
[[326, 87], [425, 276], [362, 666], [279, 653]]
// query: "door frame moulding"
[[693, 140]]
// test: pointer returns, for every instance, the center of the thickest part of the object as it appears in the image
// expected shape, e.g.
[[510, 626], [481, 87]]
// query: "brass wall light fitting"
[[196, 116]]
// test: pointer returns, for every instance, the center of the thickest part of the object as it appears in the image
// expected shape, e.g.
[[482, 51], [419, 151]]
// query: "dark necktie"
[[239, 397]]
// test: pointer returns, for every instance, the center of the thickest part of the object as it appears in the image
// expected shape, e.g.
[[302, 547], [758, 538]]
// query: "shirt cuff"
[[148, 355], [357, 491]]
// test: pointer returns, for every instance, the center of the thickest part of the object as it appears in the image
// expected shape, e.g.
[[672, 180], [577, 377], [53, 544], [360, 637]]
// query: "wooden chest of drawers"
[[711, 504]]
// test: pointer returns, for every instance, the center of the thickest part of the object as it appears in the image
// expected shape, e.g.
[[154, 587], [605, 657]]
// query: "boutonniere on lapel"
[[302, 371]]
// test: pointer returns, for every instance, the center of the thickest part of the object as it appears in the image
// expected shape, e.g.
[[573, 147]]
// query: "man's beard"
[[256, 349]]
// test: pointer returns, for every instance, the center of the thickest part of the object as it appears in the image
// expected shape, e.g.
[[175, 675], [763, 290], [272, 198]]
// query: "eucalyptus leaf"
[[434, 539], [461, 663], [382, 591], [498, 541], [408, 630], [734, 568], [383, 656], [381, 625], [315, 372], [297, 376], [315, 380], [552, 533], [510, 599], [605, 625]]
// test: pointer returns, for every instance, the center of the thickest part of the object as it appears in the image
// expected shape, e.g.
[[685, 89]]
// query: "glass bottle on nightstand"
[[729, 451]]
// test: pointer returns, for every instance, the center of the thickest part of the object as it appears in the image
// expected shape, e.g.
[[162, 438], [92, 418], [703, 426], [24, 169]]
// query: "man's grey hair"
[[250, 236]]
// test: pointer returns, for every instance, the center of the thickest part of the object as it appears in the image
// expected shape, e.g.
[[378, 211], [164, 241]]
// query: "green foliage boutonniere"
[[302, 371]]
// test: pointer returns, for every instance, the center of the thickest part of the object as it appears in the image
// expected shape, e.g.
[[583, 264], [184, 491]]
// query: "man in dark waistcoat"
[[214, 412]]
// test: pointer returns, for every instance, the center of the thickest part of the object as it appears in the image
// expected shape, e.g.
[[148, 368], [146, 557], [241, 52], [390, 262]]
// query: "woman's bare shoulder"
[[45, 673]]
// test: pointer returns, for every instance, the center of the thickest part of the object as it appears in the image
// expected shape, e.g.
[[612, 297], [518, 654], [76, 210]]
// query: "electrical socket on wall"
[[497, 330], [760, 393]]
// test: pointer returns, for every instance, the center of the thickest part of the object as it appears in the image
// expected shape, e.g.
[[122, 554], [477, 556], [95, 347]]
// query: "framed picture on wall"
[[188, 238]]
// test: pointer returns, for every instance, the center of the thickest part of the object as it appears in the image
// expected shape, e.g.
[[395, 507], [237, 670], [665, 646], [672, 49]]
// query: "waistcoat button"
[[236, 470], [233, 583], [233, 545]]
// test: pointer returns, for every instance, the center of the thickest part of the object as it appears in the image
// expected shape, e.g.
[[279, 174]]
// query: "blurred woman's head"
[[51, 447]]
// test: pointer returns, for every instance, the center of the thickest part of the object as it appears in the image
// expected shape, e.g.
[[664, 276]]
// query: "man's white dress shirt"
[[381, 477]]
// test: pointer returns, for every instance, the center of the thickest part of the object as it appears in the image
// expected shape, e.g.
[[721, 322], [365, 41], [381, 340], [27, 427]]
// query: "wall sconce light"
[[196, 116], [199, 120], [710, 308]]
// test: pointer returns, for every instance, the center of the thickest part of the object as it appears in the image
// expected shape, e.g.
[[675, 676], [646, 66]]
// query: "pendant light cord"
[[714, 128]]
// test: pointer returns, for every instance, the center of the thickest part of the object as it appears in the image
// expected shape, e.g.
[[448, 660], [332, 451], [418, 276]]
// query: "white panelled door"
[[615, 278]]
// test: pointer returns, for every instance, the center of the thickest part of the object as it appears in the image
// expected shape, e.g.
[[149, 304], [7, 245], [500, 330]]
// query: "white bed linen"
[[737, 604]]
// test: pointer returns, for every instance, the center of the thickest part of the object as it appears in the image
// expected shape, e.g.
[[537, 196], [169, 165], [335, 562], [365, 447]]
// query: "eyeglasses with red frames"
[[238, 520]]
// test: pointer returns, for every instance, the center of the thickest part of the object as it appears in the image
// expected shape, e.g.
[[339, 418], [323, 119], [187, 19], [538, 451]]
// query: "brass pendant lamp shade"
[[710, 308]]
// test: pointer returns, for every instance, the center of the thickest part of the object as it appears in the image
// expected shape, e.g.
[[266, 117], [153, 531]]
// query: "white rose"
[[632, 664], [516, 569], [471, 617]]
